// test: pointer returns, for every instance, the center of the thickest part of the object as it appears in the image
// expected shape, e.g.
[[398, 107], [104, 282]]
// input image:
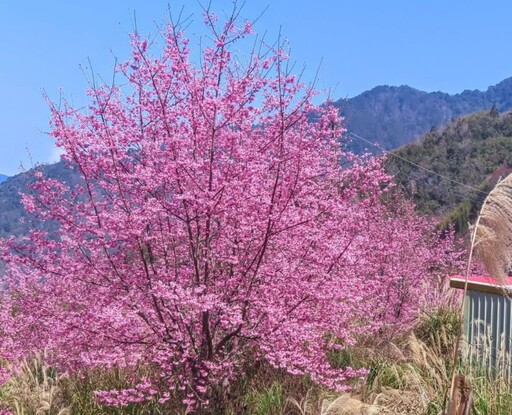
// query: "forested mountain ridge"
[[393, 116], [13, 218], [468, 156], [388, 115]]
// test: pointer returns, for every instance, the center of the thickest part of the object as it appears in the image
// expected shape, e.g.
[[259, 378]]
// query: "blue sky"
[[431, 45]]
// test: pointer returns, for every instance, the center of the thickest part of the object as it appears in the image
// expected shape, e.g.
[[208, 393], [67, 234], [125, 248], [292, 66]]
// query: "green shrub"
[[267, 401]]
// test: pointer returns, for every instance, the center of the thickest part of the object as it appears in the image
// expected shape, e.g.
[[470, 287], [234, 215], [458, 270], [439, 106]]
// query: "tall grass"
[[407, 376], [36, 389]]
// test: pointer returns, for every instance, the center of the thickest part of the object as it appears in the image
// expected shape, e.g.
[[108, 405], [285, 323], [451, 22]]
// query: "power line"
[[439, 187], [415, 164]]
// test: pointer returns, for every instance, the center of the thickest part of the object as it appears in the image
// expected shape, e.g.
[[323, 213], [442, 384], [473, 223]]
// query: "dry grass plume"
[[493, 231]]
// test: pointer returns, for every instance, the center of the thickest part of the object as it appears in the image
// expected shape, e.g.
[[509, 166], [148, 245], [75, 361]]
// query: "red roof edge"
[[482, 283]]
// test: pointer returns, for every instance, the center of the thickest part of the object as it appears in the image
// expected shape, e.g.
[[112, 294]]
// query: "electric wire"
[[393, 154], [470, 194], [463, 194]]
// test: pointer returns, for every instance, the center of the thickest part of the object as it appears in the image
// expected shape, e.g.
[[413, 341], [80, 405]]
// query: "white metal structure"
[[488, 323]]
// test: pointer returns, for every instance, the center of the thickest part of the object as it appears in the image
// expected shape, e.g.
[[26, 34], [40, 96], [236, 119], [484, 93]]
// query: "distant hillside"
[[390, 116], [13, 218], [474, 150], [3, 178], [394, 116]]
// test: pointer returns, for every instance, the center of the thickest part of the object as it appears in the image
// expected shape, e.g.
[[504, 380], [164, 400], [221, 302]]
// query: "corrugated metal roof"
[[483, 283]]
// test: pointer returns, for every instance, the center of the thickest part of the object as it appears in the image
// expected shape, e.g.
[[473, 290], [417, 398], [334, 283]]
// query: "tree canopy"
[[214, 225]]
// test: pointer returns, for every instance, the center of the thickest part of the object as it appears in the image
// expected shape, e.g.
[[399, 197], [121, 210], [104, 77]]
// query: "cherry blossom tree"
[[215, 225], [411, 263]]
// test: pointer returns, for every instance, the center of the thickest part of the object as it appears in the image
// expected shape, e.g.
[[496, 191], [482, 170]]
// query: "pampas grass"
[[35, 389], [492, 240]]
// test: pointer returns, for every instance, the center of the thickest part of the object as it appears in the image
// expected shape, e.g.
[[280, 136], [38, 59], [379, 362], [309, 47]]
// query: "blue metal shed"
[[488, 322]]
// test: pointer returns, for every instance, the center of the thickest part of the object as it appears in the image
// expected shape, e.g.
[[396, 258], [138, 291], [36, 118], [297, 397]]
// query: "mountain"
[[469, 149], [449, 170], [13, 219], [393, 116], [3, 178]]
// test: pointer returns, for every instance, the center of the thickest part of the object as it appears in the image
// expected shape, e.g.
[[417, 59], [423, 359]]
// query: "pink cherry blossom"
[[214, 224]]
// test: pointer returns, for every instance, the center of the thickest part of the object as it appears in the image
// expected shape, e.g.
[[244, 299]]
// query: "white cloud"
[[55, 154]]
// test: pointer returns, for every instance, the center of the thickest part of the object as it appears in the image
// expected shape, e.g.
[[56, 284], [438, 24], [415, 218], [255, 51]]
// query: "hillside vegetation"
[[473, 150], [14, 221], [388, 115]]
